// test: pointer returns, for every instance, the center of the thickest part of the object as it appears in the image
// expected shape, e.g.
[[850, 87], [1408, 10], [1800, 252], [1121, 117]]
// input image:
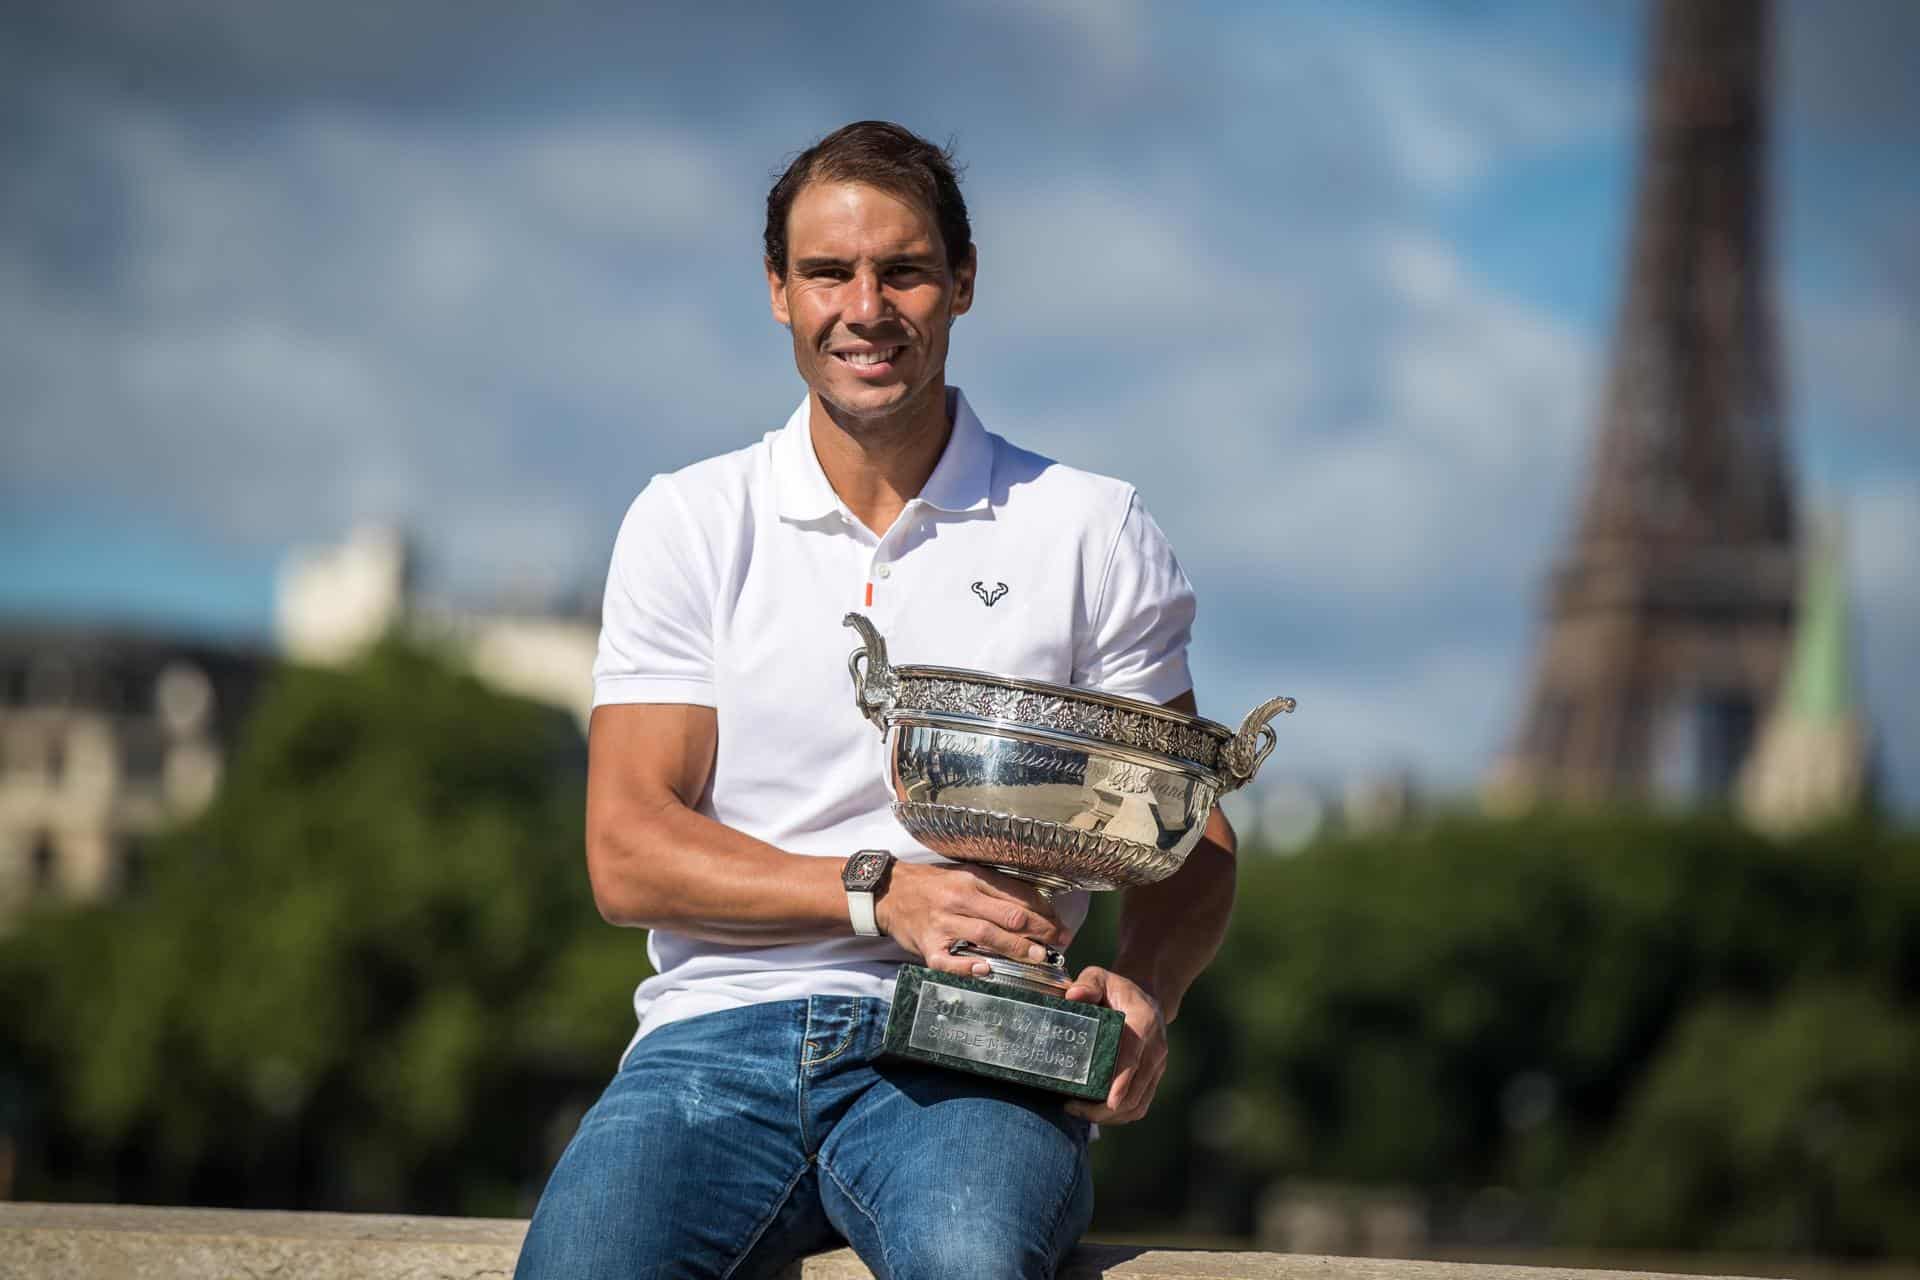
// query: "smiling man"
[[732, 781]]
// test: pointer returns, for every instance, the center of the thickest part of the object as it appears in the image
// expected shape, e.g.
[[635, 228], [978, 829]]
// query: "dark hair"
[[879, 154]]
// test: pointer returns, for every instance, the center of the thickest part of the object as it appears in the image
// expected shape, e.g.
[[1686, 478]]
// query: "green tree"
[[370, 976], [1785, 1127], [1564, 1010]]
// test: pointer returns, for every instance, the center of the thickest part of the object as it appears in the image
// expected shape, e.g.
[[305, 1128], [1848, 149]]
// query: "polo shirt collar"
[[961, 481], [799, 482], [963, 478]]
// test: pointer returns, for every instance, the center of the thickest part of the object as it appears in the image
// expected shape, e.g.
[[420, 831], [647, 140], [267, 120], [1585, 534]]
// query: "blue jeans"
[[733, 1143]]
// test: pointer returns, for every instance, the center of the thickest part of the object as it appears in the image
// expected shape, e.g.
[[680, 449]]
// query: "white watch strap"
[[860, 907]]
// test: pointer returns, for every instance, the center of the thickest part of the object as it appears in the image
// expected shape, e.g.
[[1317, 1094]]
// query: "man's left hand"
[[1143, 1046]]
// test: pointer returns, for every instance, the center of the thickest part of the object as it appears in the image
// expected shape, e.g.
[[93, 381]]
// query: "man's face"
[[869, 296]]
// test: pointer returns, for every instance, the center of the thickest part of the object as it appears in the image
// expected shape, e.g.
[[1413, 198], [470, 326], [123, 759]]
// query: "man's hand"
[[928, 908], [1143, 1046]]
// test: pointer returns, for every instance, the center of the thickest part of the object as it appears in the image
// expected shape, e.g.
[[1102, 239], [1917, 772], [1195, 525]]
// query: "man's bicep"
[[642, 758], [641, 755]]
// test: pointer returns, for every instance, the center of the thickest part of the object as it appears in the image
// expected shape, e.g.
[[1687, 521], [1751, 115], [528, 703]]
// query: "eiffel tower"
[[1668, 618]]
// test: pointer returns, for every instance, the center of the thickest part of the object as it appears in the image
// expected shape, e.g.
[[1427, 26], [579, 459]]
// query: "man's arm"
[[1169, 932], [655, 862]]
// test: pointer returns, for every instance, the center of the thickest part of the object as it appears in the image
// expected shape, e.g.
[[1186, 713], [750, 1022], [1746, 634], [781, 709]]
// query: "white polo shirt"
[[727, 588]]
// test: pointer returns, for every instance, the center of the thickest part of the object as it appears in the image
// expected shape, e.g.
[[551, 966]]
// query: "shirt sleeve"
[[1142, 618], [656, 620]]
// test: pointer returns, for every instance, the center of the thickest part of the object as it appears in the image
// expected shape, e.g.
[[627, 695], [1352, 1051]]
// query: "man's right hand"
[[926, 908]]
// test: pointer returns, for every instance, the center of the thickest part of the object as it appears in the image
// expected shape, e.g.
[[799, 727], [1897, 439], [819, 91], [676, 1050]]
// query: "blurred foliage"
[[1628, 1031], [367, 977], [372, 977]]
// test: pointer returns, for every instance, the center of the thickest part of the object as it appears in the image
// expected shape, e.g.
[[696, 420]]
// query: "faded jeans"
[[731, 1144]]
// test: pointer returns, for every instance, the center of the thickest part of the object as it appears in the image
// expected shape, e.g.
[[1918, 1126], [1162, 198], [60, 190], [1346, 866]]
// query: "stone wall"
[[55, 1242]]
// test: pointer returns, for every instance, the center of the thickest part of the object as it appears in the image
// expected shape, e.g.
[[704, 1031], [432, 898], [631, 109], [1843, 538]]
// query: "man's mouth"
[[867, 359]]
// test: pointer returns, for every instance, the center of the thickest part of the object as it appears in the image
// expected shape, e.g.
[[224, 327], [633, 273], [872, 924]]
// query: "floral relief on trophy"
[[1061, 713]]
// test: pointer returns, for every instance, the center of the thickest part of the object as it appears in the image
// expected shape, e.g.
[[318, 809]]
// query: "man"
[[731, 778]]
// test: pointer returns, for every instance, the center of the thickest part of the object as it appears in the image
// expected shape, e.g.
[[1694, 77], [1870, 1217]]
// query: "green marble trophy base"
[[1003, 1031]]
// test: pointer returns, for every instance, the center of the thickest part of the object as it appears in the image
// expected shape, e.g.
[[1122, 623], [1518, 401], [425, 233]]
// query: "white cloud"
[[1368, 467], [1441, 109], [1112, 37], [1440, 714], [342, 319]]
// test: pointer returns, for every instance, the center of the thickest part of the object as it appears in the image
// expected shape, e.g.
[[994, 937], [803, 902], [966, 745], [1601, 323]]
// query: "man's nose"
[[866, 301]]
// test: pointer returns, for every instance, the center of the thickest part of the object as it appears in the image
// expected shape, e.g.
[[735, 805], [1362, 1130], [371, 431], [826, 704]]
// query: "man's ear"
[[777, 295], [963, 278]]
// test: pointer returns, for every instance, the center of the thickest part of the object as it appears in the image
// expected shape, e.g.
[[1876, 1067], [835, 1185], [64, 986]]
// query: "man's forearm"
[[681, 870], [1170, 931]]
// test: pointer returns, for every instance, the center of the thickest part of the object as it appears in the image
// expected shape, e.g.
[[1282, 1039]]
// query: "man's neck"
[[878, 465]]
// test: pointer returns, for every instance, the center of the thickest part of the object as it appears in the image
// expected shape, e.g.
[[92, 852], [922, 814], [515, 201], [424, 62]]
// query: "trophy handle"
[[875, 686], [1254, 743]]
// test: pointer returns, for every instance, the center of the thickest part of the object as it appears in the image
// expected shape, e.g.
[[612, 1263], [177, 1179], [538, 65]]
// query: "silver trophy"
[[1064, 788]]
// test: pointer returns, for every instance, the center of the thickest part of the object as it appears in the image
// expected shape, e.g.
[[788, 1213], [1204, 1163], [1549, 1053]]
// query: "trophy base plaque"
[[1005, 1032]]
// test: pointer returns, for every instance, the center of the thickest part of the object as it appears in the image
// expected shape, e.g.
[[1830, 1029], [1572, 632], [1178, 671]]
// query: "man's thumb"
[[1090, 986]]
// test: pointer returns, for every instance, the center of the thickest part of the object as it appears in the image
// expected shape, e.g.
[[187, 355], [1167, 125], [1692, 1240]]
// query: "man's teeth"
[[868, 357]]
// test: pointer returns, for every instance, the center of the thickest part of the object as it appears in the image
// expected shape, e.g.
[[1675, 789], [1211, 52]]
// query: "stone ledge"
[[48, 1241]]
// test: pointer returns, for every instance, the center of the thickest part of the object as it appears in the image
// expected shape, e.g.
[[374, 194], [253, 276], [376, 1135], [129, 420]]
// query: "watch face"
[[864, 869]]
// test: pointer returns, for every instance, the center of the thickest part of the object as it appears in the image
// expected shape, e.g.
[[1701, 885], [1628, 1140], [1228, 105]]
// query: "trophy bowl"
[[1067, 788]]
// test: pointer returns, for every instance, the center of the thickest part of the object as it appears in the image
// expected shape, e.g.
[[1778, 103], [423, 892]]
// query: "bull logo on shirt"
[[990, 598]]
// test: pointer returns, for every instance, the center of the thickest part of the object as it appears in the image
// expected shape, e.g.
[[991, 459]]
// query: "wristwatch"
[[863, 875]]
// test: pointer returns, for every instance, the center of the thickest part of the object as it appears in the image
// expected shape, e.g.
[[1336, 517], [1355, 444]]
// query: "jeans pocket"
[[823, 1049], [833, 1027]]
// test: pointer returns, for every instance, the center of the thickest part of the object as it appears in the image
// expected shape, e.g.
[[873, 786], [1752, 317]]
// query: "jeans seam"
[[1060, 1212], [800, 1084], [779, 1203], [879, 1236]]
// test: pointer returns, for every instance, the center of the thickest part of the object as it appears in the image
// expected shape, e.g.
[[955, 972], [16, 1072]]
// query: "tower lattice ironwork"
[[1668, 619]]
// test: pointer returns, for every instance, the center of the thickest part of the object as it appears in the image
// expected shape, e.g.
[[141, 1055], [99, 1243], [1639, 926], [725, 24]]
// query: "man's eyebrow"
[[914, 258]]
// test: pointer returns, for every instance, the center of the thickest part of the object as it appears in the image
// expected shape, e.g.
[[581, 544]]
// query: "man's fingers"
[[1015, 945], [1139, 1089], [1142, 1057], [1136, 1066], [1007, 888], [1121, 1086], [940, 960], [1137, 1095], [1018, 918], [1091, 987]]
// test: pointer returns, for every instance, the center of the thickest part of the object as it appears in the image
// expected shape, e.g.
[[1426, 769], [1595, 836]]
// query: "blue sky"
[[1332, 284]]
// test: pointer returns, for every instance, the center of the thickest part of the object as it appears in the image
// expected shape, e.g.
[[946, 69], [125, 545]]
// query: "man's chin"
[[867, 400]]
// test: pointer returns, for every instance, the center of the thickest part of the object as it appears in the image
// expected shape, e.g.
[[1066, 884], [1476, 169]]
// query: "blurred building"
[[333, 602], [1297, 1216], [1667, 621], [106, 735], [110, 734], [1284, 813], [1814, 762]]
